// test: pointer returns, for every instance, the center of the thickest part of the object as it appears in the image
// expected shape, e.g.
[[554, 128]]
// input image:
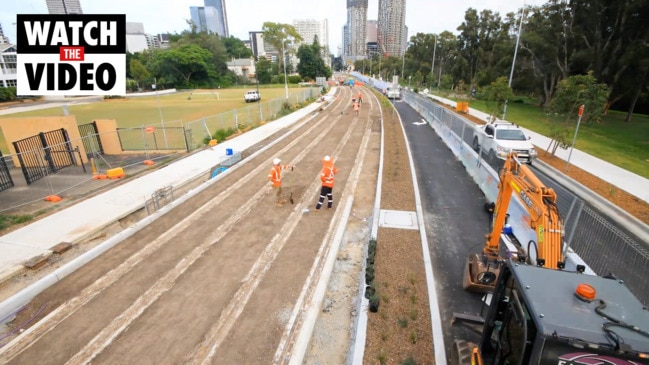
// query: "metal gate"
[[44, 153], [6, 181], [90, 137]]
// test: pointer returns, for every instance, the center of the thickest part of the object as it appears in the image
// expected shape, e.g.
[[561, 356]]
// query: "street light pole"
[[518, 38], [285, 81], [162, 122], [432, 69]]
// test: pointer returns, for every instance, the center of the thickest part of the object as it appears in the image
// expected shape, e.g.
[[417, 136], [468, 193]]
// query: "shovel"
[[291, 196]]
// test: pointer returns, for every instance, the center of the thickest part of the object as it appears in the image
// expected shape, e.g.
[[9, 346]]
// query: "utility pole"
[[162, 122], [518, 38], [432, 69], [285, 81]]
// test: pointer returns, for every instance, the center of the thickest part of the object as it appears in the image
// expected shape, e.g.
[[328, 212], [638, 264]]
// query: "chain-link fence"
[[604, 244], [36, 172], [200, 130]]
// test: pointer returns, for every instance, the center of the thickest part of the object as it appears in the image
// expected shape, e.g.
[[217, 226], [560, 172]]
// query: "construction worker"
[[327, 175], [275, 177]]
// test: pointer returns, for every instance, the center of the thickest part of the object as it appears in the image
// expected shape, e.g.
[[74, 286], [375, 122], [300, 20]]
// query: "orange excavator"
[[481, 270], [536, 315]]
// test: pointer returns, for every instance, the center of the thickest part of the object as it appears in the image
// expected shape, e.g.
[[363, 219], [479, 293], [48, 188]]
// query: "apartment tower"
[[221, 16], [391, 27], [63, 7], [356, 28]]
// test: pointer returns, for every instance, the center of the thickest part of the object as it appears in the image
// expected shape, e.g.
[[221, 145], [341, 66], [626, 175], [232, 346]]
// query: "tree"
[[497, 93], [311, 63], [139, 72], [280, 36], [581, 90], [548, 45], [235, 48], [263, 67], [187, 65]]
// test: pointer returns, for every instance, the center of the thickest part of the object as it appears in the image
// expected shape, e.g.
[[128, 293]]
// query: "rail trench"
[[219, 279]]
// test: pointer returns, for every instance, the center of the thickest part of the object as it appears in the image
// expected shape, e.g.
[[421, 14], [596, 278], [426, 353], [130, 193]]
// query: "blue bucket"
[[228, 152]]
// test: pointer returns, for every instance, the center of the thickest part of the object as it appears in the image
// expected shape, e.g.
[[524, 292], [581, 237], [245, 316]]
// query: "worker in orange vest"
[[327, 175], [360, 98], [275, 177]]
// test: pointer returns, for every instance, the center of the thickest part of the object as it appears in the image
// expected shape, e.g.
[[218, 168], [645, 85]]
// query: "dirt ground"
[[226, 277]]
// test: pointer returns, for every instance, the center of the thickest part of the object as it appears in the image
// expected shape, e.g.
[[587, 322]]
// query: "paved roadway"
[[454, 215]]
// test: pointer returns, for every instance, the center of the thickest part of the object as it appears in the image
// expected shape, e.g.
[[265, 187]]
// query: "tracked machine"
[[535, 311], [481, 270]]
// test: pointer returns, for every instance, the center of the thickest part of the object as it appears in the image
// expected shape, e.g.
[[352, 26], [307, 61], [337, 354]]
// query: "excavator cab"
[[540, 316]]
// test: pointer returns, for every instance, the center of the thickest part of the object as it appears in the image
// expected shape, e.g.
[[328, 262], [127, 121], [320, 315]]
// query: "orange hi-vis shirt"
[[327, 174], [275, 175]]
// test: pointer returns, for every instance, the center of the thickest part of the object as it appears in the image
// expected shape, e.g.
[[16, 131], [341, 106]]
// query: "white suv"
[[498, 139], [251, 96]]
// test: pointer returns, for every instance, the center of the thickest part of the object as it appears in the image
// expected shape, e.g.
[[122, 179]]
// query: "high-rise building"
[[3, 39], [136, 39], [257, 44], [308, 29], [221, 16], [372, 37], [345, 49], [63, 7], [356, 27], [391, 27], [209, 19]]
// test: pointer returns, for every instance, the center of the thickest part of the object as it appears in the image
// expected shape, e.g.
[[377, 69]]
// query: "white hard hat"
[[276, 161], [327, 158]]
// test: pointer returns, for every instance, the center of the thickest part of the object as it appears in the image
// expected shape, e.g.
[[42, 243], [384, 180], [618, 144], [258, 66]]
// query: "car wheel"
[[476, 144]]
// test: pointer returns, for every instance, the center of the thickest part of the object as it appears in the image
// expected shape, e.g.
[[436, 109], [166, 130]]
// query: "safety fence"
[[53, 164], [251, 116], [596, 239]]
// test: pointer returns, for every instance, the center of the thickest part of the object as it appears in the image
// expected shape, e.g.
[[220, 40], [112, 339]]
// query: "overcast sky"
[[160, 16]]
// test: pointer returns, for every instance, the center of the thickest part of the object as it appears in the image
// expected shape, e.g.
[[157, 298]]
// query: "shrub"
[[7, 93], [294, 79]]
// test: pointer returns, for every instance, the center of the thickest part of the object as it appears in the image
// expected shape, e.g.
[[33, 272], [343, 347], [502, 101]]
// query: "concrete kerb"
[[12, 304], [358, 348]]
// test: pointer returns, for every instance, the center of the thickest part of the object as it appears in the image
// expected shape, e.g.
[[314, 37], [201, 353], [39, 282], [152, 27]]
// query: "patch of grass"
[[624, 144], [176, 109], [382, 357], [7, 220], [413, 337], [410, 360], [413, 298], [403, 290], [385, 298], [403, 322], [414, 314], [411, 279]]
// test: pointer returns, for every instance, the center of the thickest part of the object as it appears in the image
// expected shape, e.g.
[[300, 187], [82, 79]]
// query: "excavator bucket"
[[479, 276]]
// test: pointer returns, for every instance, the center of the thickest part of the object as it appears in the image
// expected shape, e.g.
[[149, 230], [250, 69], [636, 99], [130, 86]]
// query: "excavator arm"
[[518, 180]]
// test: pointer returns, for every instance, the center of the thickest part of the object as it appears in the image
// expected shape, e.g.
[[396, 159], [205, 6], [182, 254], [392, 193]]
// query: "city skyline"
[[169, 16]]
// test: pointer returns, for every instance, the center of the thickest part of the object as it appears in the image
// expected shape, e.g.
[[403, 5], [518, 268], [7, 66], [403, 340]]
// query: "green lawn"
[[623, 144], [182, 106]]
